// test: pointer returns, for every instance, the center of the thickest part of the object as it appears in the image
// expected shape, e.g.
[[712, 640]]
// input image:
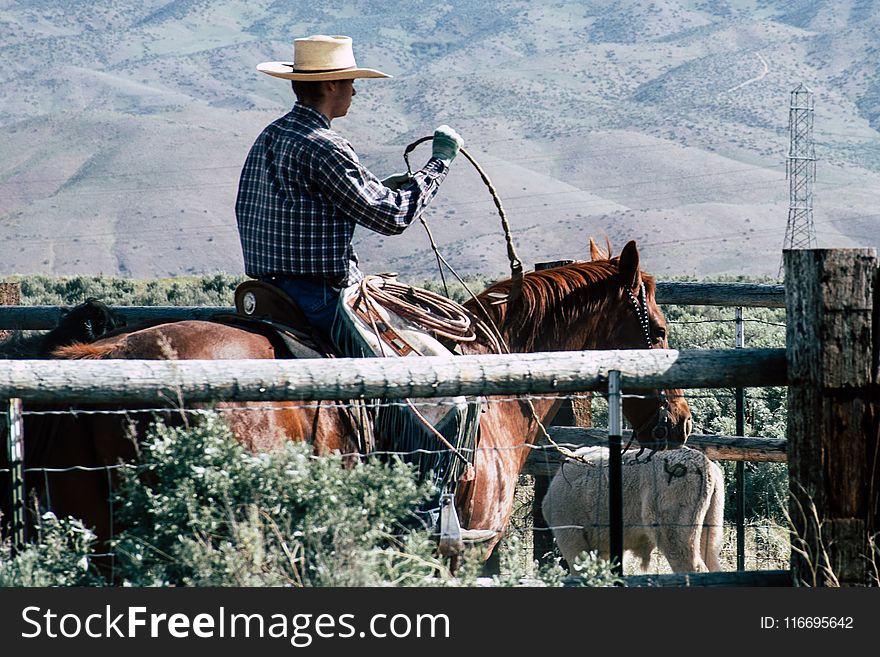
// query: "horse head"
[[661, 419], [86, 322]]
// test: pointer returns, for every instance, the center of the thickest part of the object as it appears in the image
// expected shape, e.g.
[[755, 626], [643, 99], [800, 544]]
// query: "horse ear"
[[596, 252], [628, 266]]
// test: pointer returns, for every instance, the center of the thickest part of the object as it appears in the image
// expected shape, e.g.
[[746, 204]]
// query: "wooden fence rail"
[[545, 459], [709, 294], [748, 295], [38, 318], [138, 381]]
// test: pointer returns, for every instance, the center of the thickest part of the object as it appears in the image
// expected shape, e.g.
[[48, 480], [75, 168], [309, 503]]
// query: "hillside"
[[124, 126]]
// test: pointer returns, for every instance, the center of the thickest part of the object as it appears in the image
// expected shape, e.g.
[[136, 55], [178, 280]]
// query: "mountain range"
[[123, 127]]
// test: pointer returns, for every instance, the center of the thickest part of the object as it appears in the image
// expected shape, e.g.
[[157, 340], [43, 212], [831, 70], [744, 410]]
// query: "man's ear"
[[628, 265]]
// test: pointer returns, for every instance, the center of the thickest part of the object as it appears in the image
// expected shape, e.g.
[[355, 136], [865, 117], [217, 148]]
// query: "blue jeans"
[[316, 297]]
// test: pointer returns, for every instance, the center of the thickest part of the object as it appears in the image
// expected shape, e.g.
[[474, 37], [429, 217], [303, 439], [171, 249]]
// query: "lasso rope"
[[488, 328], [435, 313], [516, 267]]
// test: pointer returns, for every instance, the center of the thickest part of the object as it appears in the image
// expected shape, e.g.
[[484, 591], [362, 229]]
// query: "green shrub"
[[213, 290], [215, 514], [714, 411], [210, 290], [58, 557]]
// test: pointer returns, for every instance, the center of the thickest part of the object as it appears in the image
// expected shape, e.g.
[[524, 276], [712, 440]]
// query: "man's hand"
[[446, 144], [397, 181]]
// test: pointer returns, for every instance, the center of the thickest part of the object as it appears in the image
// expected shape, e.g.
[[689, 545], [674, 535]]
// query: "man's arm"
[[362, 196]]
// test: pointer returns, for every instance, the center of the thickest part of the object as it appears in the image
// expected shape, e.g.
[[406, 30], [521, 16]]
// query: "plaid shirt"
[[303, 190]]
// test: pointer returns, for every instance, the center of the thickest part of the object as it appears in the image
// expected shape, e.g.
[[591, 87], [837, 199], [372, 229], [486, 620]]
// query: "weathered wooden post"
[[10, 295], [740, 470], [832, 418]]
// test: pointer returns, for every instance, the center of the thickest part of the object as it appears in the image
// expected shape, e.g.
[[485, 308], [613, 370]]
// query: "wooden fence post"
[[832, 414]]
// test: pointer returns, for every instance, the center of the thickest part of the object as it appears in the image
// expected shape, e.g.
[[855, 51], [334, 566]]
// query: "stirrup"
[[451, 542], [452, 536]]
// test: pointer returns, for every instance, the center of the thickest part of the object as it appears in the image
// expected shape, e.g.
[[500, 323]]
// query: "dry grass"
[[767, 547]]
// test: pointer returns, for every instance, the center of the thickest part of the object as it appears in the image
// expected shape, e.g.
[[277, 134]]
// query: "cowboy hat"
[[319, 58]]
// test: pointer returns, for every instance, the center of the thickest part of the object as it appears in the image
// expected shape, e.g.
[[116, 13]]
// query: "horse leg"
[[680, 543], [712, 534], [84, 495]]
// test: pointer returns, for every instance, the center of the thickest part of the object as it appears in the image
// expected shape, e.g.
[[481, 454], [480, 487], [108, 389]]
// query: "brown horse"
[[604, 304], [585, 305]]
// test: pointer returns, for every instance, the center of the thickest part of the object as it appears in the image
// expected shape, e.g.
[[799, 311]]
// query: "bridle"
[[661, 418], [640, 305]]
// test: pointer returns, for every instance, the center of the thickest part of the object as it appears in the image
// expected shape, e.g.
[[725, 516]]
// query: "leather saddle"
[[271, 312]]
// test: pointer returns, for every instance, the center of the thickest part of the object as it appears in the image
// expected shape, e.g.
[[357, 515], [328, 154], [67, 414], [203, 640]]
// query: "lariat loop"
[[516, 266]]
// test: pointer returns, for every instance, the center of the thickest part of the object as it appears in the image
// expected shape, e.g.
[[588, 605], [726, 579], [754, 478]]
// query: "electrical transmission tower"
[[801, 171]]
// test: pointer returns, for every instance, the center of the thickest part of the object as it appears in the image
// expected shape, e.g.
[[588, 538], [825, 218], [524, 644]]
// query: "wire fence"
[[757, 543], [759, 553]]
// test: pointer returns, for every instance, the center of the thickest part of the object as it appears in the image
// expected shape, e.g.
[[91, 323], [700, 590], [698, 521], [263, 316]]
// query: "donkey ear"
[[628, 265]]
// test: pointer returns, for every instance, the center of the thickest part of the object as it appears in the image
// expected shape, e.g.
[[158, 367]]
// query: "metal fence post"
[[615, 473], [740, 342], [15, 452]]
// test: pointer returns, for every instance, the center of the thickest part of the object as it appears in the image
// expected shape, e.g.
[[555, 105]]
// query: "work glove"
[[397, 181], [446, 144]]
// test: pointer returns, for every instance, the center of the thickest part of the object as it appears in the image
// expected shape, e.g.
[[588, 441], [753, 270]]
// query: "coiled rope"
[[433, 312]]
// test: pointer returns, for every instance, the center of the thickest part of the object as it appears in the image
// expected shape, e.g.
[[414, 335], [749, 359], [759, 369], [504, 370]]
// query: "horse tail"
[[712, 535], [83, 351]]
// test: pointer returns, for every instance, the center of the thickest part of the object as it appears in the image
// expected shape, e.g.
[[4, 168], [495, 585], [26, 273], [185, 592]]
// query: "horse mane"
[[550, 294], [83, 351]]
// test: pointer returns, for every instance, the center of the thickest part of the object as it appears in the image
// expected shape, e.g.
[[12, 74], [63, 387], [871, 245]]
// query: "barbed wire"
[[754, 320], [80, 468], [764, 321], [258, 406], [380, 453]]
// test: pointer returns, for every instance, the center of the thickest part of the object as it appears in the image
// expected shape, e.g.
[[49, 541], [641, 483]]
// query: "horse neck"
[[546, 318], [581, 316]]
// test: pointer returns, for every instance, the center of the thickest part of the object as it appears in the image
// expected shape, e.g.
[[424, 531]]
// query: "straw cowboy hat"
[[319, 58]]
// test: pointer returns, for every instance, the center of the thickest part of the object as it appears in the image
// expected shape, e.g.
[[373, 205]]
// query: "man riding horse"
[[303, 190]]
